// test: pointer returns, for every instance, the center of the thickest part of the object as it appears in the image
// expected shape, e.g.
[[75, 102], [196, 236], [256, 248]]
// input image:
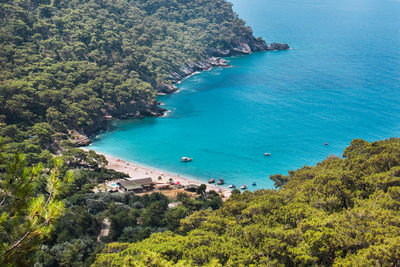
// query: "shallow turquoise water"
[[340, 81]]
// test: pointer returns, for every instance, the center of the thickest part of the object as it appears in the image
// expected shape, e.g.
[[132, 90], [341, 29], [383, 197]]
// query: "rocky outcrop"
[[242, 48], [79, 139], [136, 109], [277, 46], [219, 52], [239, 47], [218, 62], [165, 88], [248, 46], [192, 67]]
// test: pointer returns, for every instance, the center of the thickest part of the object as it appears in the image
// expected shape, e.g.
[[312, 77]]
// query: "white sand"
[[136, 171]]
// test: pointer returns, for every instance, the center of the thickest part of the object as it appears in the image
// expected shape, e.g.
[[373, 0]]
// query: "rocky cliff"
[[240, 47]]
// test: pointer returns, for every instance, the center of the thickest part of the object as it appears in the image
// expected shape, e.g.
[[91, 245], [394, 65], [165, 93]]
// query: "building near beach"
[[136, 185], [146, 183], [130, 186]]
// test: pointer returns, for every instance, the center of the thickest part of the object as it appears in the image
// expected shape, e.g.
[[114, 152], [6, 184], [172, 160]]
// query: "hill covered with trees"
[[65, 68], [341, 212], [65, 65], [70, 63]]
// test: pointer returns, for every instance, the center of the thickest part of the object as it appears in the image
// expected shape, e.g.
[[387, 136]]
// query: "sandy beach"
[[136, 171]]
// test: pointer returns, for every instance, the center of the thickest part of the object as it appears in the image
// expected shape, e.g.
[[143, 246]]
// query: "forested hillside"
[[69, 63], [65, 68], [341, 212]]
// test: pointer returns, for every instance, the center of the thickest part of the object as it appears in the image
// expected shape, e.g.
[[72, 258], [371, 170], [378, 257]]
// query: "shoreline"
[[136, 171]]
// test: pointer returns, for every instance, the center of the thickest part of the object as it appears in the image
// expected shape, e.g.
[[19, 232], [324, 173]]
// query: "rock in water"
[[218, 62], [278, 46]]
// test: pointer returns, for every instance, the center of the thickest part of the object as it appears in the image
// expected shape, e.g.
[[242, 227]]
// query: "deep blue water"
[[340, 81]]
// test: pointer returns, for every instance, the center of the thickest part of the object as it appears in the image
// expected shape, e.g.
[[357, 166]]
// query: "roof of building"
[[143, 181], [129, 184]]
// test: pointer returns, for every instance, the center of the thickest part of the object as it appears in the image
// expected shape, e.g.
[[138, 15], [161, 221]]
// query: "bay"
[[340, 81]]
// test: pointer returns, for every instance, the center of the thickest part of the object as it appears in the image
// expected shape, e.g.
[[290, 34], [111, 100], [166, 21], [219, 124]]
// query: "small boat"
[[186, 159], [232, 186], [211, 181], [326, 144], [267, 154], [254, 183], [243, 187], [220, 181]]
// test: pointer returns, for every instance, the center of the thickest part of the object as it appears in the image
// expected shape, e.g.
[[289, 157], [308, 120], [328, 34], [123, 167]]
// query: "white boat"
[[186, 159], [243, 187], [267, 154], [232, 186]]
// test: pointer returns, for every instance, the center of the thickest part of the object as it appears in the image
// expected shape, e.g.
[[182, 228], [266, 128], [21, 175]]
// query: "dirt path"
[[105, 229]]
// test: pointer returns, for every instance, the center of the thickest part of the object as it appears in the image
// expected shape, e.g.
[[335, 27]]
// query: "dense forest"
[[70, 63], [341, 212], [67, 66]]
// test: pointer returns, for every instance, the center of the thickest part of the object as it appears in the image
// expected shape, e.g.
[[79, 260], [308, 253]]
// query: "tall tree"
[[27, 215]]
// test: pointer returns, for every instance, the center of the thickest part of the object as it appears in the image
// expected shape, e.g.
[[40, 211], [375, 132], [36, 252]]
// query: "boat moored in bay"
[[186, 159]]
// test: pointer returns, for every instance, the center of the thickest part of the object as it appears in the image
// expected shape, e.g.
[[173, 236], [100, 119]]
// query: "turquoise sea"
[[340, 81]]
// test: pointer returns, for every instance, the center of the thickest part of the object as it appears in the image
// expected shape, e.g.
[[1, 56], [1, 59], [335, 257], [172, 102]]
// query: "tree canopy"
[[28, 212]]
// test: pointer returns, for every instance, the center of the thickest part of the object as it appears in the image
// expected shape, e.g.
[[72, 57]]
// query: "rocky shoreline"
[[216, 60], [141, 108]]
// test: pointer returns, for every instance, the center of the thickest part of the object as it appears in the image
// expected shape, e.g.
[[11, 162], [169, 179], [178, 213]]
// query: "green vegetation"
[[66, 64], [28, 206], [342, 212], [64, 67], [77, 235], [52, 218]]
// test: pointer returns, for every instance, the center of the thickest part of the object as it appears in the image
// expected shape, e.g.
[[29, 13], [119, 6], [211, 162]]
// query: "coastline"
[[216, 58], [137, 171]]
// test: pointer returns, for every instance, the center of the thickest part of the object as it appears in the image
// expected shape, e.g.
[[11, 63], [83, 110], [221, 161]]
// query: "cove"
[[340, 81]]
